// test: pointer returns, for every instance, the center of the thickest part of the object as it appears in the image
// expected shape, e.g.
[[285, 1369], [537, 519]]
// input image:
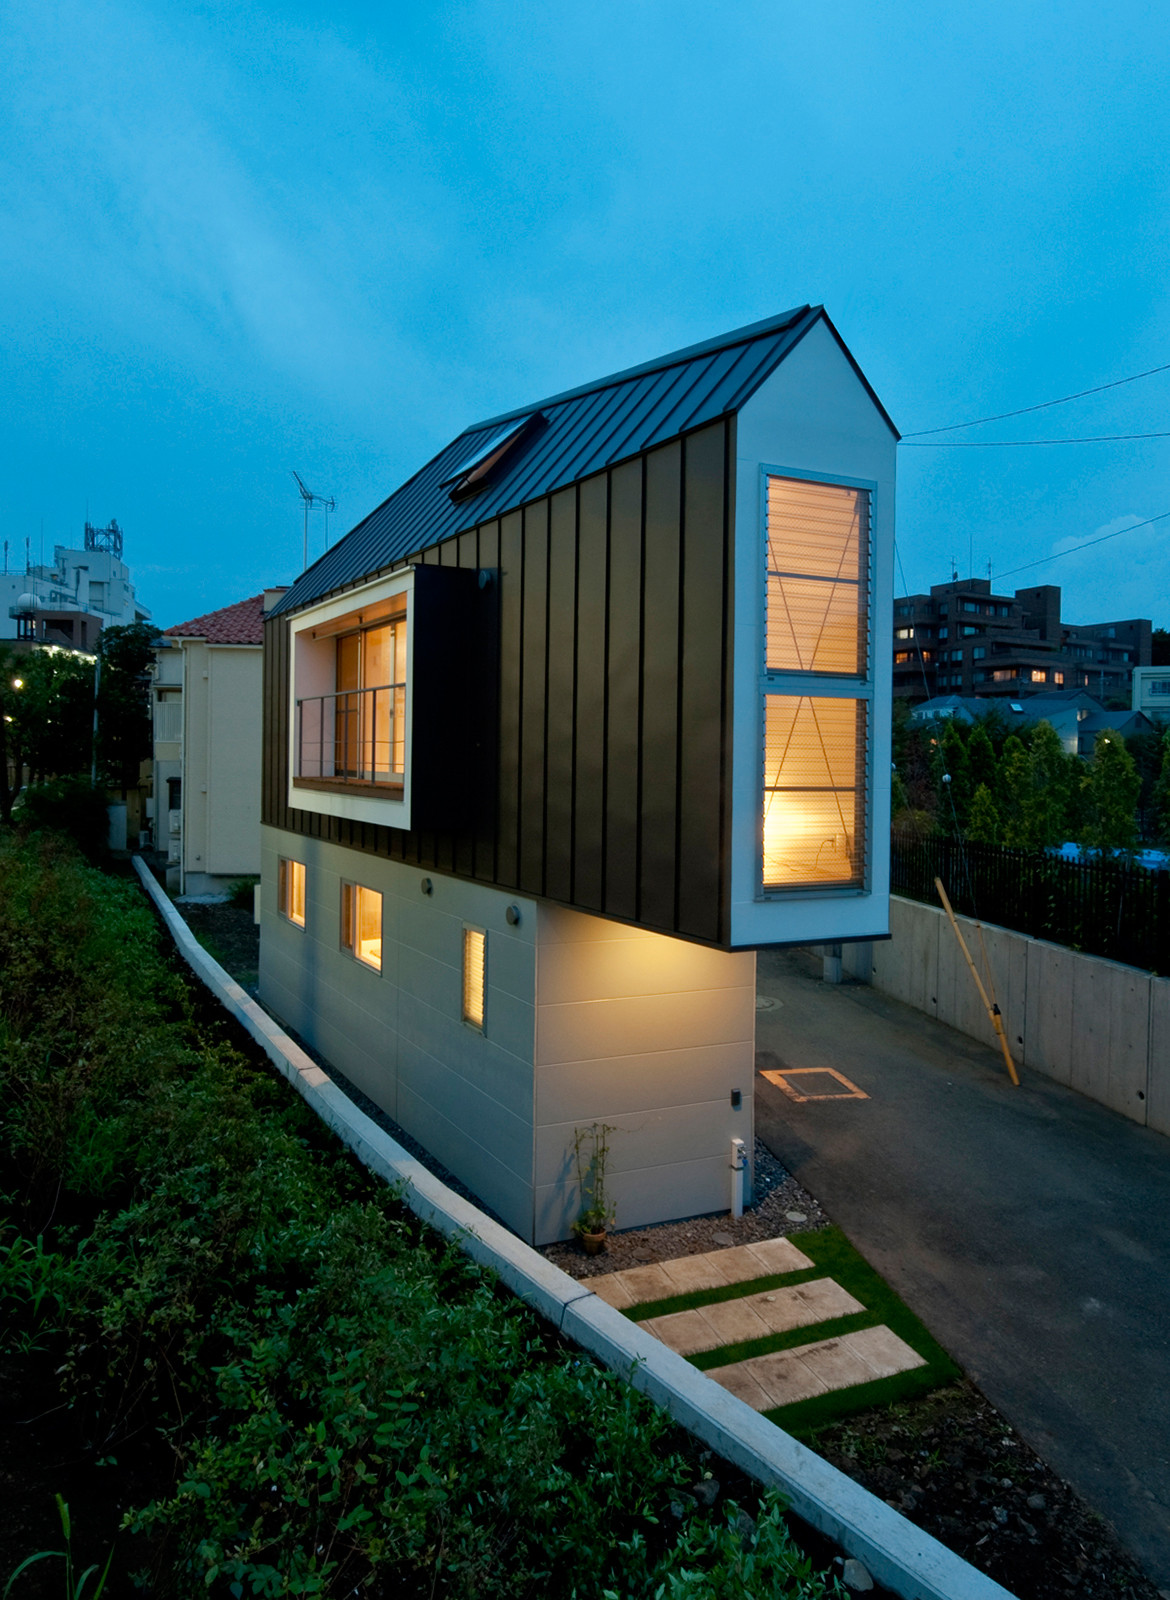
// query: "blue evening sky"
[[238, 239]]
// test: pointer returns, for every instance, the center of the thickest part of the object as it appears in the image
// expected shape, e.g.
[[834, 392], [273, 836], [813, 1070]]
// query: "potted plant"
[[591, 1152]]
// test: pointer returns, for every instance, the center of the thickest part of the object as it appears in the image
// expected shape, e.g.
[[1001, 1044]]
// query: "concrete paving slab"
[[684, 1332], [737, 1380], [689, 1273], [713, 1269], [837, 1364], [883, 1352], [776, 1256], [612, 1288], [785, 1379], [807, 1303], [733, 1322]]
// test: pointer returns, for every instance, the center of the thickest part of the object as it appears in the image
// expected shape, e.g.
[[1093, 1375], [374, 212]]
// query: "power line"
[[1016, 444], [1117, 532], [1043, 406]]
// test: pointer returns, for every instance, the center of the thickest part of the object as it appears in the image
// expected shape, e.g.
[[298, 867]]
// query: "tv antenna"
[[325, 501]]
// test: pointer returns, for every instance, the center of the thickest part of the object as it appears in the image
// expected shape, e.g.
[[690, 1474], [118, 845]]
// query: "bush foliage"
[[336, 1400]]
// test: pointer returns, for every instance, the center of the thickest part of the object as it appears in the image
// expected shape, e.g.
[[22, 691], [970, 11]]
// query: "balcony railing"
[[353, 736]]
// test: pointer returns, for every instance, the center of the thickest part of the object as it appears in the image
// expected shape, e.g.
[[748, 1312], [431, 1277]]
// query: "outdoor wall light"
[[513, 916], [426, 886]]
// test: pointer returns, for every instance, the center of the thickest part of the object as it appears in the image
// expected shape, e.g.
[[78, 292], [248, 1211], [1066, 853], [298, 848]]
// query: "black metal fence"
[[1104, 908]]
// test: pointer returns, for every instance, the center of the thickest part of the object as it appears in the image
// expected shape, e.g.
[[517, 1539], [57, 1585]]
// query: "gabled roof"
[[242, 623], [584, 431]]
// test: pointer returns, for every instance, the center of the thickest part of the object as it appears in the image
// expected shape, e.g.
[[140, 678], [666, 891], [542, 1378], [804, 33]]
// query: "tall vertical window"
[[361, 924], [814, 684], [291, 891], [474, 975], [370, 725]]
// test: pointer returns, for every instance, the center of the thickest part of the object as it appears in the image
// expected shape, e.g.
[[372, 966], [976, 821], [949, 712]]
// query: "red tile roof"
[[242, 623]]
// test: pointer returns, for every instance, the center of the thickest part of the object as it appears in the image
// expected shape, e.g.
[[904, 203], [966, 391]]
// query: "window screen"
[[814, 790], [818, 562]]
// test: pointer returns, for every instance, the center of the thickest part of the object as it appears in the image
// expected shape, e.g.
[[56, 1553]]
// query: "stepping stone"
[[753, 1316], [712, 1270], [818, 1368]]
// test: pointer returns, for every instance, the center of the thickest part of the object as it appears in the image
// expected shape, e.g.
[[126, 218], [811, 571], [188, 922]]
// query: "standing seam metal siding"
[[612, 697]]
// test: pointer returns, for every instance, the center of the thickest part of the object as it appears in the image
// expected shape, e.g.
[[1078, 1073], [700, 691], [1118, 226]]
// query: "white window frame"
[[312, 671], [349, 946], [817, 685]]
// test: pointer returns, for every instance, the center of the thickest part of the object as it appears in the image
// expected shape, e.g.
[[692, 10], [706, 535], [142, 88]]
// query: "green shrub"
[[346, 1401], [241, 892], [74, 807]]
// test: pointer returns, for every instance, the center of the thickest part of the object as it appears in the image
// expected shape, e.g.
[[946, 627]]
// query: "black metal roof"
[[587, 430]]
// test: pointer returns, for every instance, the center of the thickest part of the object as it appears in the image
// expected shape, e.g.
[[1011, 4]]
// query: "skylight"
[[474, 470]]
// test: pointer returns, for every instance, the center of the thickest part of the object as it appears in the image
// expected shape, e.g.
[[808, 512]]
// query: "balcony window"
[[361, 924], [357, 732]]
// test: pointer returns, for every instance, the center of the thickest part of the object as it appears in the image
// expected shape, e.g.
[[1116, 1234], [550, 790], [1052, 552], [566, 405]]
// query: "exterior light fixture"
[[513, 916], [426, 886]]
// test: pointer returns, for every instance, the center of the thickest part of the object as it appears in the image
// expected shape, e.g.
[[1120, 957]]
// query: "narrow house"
[[590, 709]]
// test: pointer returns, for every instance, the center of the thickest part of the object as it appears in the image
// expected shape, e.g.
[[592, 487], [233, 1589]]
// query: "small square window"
[[474, 976], [291, 891], [361, 924]]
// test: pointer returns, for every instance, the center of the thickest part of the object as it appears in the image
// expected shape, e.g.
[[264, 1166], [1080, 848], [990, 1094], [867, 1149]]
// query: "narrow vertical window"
[[474, 975], [291, 891], [361, 924], [816, 730]]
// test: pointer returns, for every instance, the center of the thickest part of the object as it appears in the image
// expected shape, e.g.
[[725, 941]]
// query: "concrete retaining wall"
[[1097, 1026], [899, 1555]]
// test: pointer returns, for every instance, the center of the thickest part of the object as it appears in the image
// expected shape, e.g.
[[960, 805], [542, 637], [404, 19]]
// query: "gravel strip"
[[780, 1206]]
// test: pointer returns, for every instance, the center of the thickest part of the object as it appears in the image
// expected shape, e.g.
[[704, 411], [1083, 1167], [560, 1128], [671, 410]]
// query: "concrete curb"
[[899, 1555]]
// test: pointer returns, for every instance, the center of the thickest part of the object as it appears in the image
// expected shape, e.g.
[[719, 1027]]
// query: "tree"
[[1046, 801], [955, 795], [124, 701], [981, 762], [1161, 796], [1012, 792], [53, 715], [1160, 647], [983, 825], [1113, 785]]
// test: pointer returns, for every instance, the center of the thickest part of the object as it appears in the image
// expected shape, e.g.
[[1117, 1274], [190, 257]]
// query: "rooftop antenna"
[[310, 499]]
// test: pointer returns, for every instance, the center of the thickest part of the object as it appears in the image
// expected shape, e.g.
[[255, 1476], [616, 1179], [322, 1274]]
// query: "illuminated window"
[[1037, 675], [369, 734], [361, 924], [291, 891], [816, 730], [474, 975], [814, 790], [1058, 677], [818, 565]]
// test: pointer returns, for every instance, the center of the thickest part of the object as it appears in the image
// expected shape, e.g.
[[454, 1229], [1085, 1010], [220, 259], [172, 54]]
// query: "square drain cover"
[[815, 1083]]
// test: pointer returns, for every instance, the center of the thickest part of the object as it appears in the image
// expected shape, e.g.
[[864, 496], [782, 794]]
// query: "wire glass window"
[[814, 790], [818, 562]]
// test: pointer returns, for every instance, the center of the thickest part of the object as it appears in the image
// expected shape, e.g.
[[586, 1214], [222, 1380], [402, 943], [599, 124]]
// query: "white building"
[[71, 601], [207, 738], [1151, 693]]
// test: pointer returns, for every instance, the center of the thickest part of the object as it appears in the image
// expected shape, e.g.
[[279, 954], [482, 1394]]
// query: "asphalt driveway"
[[1028, 1228]]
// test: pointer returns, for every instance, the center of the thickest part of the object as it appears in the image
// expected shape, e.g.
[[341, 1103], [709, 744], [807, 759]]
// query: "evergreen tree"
[[954, 796], [1161, 796], [1013, 790], [1046, 802], [983, 825], [981, 762], [1113, 786]]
